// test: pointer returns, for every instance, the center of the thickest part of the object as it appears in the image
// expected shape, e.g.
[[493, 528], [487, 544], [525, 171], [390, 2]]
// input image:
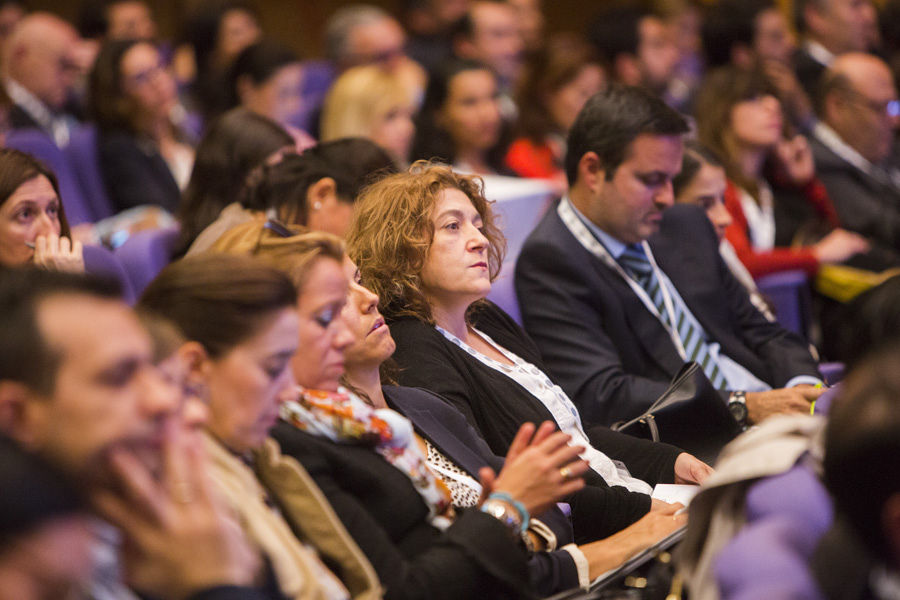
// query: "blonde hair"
[[294, 255], [392, 232], [359, 98]]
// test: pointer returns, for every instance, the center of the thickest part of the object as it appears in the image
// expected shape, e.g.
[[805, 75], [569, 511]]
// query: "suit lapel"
[[429, 424], [648, 331]]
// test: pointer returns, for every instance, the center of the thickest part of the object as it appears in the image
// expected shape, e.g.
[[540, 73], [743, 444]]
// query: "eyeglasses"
[[887, 108], [279, 229]]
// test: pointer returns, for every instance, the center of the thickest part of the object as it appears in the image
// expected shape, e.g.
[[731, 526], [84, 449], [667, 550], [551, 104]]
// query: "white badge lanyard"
[[593, 245]]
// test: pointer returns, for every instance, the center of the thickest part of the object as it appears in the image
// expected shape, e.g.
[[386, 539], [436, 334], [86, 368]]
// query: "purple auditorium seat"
[[85, 161], [788, 292], [145, 253], [101, 262], [787, 514], [39, 145]]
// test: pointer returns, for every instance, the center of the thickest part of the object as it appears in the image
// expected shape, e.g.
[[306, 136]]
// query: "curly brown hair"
[[392, 231]]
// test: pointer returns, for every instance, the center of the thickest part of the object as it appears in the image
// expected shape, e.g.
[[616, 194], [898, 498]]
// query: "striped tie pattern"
[[636, 264]]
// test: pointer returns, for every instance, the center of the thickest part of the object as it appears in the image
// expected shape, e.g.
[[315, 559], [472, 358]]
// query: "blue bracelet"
[[520, 508]]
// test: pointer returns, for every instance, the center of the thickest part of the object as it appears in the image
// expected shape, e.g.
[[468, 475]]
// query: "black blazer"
[[496, 406], [476, 557], [135, 173], [863, 203], [611, 355]]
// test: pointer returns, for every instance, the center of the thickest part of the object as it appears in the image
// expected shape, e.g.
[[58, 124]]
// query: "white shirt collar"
[[820, 53]]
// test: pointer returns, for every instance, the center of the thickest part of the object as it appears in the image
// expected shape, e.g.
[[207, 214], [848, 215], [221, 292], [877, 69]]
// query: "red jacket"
[[778, 259]]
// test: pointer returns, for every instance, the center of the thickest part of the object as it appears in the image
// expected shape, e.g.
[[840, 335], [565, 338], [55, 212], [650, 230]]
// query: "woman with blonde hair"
[[369, 102]]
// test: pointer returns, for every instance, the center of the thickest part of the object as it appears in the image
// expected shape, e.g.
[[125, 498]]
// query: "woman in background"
[[557, 81], [33, 225], [782, 217], [143, 158], [460, 122], [370, 102]]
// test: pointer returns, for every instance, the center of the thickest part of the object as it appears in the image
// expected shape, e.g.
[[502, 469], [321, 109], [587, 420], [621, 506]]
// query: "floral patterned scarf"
[[343, 417]]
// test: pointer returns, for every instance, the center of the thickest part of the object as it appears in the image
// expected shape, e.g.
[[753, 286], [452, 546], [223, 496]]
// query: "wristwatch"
[[504, 512], [737, 404]]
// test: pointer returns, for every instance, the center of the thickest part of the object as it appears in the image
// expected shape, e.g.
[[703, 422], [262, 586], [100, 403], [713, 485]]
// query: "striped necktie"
[[636, 264]]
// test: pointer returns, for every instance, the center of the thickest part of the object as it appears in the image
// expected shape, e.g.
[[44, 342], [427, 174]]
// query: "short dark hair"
[[34, 493], [862, 446], [610, 122], [829, 83], [25, 355], [727, 24], [351, 162], [16, 168], [870, 322], [218, 300]]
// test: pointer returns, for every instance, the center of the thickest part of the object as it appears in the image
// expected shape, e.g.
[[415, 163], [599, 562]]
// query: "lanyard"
[[584, 236]]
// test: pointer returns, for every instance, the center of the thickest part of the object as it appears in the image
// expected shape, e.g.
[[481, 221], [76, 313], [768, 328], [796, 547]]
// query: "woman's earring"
[[317, 205]]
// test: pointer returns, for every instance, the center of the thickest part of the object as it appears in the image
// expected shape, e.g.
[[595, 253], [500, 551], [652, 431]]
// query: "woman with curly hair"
[[426, 243]]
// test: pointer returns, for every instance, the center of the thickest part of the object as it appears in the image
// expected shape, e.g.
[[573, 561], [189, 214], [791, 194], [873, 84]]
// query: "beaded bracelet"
[[520, 508]]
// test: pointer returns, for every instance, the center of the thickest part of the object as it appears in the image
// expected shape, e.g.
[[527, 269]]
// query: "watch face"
[[738, 411]]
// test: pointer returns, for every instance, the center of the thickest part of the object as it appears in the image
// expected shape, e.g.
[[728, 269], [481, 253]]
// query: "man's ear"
[[244, 87], [590, 170], [14, 414]]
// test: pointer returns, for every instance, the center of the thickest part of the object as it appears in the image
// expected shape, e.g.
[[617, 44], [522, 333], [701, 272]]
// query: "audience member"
[[11, 12], [830, 28], [33, 225], [702, 182], [315, 189], [433, 269], [214, 34], [619, 289], [431, 25], [142, 158], [489, 33], [853, 145], [756, 34], [44, 527], [367, 101], [889, 22], [636, 46], [860, 556], [241, 320], [77, 386], [266, 78], [531, 22], [40, 67], [460, 121], [558, 79], [782, 216], [233, 146]]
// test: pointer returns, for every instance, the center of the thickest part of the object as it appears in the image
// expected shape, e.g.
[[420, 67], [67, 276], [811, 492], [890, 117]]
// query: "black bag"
[[690, 415]]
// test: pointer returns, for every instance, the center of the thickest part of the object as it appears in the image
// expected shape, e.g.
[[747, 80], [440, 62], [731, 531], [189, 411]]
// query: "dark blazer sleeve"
[[135, 176], [558, 287], [232, 592], [475, 555], [722, 304]]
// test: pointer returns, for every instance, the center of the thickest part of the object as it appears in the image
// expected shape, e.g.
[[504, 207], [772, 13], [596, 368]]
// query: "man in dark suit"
[[601, 302], [853, 143], [831, 28]]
